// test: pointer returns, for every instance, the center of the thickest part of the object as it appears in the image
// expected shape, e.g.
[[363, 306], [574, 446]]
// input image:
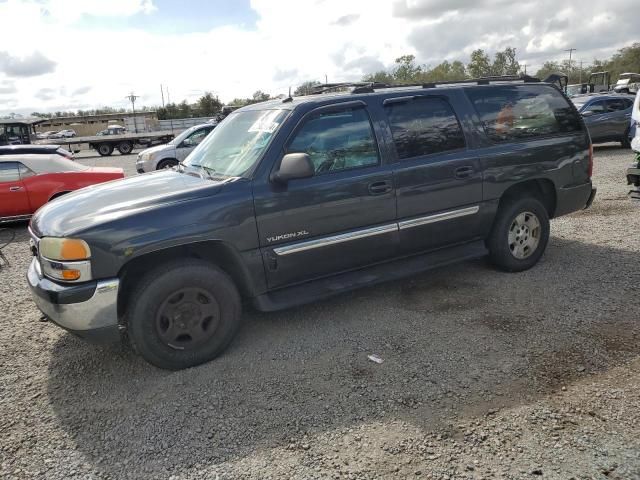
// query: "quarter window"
[[9, 172], [512, 112], [25, 172], [337, 140], [424, 126]]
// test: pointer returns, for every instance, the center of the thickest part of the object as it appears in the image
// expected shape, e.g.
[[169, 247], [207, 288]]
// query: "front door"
[[341, 218], [438, 181], [14, 200], [597, 120]]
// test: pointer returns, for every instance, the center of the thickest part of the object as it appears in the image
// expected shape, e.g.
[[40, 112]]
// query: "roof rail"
[[370, 87]]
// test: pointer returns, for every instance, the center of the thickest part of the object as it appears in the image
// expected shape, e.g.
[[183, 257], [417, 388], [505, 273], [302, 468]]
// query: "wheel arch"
[[541, 188], [165, 159], [217, 253], [58, 194]]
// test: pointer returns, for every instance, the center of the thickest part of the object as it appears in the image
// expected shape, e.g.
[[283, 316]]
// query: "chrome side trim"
[[334, 239], [438, 217]]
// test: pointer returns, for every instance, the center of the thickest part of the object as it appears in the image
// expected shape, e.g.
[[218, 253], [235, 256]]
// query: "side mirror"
[[588, 113], [292, 166]]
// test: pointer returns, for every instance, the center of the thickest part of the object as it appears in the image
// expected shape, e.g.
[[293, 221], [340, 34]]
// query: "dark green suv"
[[293, 200]]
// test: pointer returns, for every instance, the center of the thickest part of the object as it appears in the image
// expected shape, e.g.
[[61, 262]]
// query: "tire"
[[105, 149], [514, 245], [199, 296], [626, 142], [167, 163], [125, 148]]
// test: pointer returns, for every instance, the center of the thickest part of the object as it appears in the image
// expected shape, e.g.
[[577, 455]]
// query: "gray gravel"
[[485, 375]]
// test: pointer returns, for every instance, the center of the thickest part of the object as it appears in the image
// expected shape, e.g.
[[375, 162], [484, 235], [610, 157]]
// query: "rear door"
[[619, 110], [438, 180], [343, 217], [14, 200]]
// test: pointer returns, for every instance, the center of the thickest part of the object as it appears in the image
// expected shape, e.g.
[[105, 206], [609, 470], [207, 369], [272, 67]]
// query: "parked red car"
[[32, 175]]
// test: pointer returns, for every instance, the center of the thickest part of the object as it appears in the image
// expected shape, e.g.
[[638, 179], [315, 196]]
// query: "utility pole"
[[580, 82], [525, 67], [570, 50], [132, 98]]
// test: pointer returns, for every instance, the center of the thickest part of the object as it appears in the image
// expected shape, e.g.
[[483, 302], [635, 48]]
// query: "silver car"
[[170, 154]]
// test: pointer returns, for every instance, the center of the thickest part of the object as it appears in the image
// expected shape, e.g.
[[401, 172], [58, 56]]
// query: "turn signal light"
[[70, 274]]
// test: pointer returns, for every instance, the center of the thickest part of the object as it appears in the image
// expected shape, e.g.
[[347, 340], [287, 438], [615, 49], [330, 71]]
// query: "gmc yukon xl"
[[298, 199]]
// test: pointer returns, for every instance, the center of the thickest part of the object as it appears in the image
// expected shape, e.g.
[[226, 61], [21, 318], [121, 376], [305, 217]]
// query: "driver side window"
[[597, 108], [337, 140]]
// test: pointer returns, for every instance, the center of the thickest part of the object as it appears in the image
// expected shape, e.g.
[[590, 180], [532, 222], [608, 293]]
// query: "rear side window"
[[337, 140], [424, 126], [9, 172], [618, 104], [513, 112]]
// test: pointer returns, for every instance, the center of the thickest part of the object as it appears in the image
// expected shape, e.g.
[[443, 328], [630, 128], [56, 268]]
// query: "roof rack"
[[370, 87]]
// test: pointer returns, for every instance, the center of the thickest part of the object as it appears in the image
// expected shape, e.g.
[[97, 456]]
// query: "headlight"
[[65, 259], [144, 157], [64, 249]]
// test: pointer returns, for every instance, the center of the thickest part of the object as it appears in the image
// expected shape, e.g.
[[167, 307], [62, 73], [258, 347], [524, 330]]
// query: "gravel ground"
[[485, 375]]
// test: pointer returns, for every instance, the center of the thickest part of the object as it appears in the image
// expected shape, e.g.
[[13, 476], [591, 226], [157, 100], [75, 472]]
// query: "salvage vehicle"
[[607, 116], [170, 154], [633, 172], [18, 131], [32, 175], [297, 199], [628, 83]]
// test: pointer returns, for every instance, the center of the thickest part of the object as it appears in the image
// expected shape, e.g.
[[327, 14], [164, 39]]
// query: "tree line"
[[404, 71]]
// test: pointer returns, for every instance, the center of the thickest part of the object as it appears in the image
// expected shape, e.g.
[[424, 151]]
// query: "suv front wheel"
[[183, 314], [519, 235]]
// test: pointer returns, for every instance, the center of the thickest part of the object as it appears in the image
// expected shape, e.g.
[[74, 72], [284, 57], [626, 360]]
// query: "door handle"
[[14, 189], [379, 188], [463, 172]]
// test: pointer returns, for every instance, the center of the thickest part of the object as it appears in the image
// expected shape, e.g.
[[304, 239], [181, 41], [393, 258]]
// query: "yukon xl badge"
[[287, 236]]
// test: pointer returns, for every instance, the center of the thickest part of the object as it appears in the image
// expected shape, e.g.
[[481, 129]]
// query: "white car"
[[66, 133]]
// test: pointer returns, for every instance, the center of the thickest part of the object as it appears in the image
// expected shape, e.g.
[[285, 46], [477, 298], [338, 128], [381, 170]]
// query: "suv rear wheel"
[[519, 235], [183, 314]]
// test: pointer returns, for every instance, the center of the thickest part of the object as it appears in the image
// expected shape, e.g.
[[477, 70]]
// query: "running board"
[[301, 294]]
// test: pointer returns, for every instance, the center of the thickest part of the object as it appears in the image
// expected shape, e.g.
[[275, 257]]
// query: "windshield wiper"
[[210, 171]]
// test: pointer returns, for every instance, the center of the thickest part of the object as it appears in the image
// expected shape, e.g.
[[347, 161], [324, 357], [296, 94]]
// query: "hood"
[[156, 149], [106, 202]]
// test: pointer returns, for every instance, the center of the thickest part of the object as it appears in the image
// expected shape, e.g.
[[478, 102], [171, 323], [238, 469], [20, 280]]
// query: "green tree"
[[406, 70], [505, 63], [260, 96], [208, 105], [379, 77], [480, 65], [306, 88]]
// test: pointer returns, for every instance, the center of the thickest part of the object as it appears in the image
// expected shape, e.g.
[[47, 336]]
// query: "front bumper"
[[89, 310]]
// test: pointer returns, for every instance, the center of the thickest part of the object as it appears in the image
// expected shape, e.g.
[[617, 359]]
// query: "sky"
[[80, 54]]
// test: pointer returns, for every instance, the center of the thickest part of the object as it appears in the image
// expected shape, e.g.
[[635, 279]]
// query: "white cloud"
[[293, 41]]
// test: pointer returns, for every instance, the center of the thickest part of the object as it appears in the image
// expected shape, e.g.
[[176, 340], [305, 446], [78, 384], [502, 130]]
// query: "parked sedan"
[[607, 116], [31, 177]]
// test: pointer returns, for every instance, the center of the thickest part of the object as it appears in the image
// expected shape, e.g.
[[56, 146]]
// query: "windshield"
[[237, 143]]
